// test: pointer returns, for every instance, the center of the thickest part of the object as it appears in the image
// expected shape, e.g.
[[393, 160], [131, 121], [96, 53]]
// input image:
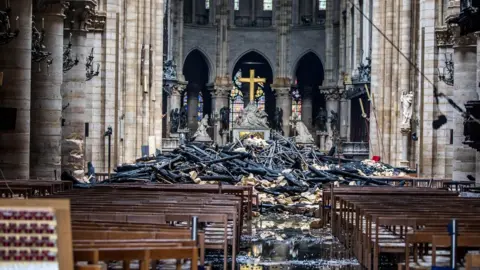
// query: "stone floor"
[[287, 242]]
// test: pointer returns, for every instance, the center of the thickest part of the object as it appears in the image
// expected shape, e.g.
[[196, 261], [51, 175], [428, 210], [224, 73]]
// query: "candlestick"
[[17, 23], [7, 4], [368, 93], [70, 38], [361, 106], [98, 67], [43, 23]]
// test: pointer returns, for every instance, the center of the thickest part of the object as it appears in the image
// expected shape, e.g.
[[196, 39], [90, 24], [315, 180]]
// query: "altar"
[[253, 122]]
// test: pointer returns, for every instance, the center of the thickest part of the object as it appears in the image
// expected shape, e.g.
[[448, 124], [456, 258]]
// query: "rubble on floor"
[[283, 174]]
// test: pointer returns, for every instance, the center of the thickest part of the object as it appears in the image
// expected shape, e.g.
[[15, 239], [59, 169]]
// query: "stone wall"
[[261, 40]]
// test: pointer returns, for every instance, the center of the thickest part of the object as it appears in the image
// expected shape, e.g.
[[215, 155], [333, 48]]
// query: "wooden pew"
[[149, 206], [472, 261], [143, 254], [376, 220]]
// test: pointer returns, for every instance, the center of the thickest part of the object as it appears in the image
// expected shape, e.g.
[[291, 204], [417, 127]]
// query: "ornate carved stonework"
[[444, 36], [58, 7], [80, 14], [465, 40], [178, 88], [282, 92], [221, 91], [332, 92], [98, 21]]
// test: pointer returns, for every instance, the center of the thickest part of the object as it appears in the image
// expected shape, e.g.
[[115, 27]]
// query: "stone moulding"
[[444, 36], [98, 21]]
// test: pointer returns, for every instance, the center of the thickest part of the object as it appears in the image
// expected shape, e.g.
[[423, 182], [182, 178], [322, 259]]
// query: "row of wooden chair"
[[105, 219], [374, 220]]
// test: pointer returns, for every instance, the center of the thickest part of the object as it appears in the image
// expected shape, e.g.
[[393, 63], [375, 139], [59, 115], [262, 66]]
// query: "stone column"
[[465, 59], [220, 95], [192, 103], [74, 91], [174, 102], [307, 109], [46, 113], [344, 118], [284, 101], [178, 38], [332, 97], [477, 34], [405, 130], [16, 65]]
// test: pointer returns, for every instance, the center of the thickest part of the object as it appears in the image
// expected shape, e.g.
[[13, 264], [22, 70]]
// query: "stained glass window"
[[267, 4], [260, 96], [207, 4], [236, 104], [322, 4], [236, 4], [199, 107], [296, 104]]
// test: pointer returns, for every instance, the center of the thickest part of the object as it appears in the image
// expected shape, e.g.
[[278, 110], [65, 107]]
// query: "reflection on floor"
[[287, 242]]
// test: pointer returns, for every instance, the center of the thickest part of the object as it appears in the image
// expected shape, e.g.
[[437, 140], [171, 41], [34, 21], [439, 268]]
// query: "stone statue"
[[169, 70], [278, 120], [183, 120], [174, 120], [333, 120], [407, 109], [252, 117], [224, 118], [322, 119], [201, 134], [304, 135]]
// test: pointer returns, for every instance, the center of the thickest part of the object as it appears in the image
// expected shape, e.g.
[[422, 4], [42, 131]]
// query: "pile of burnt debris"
[[281, 172]]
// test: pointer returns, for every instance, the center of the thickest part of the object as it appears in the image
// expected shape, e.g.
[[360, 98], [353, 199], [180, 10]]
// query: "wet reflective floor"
[[287, 242]]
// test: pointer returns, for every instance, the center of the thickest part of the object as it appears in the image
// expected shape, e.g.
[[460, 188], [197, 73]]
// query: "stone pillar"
[[178, 38], [16, 65], [220, 95], [465, 59], [332, 97], [405, 130], [74, 91], [284, 101], [192, 103], [174, 102], [477, 34], [307, 109], [46, 113], [344, 118]]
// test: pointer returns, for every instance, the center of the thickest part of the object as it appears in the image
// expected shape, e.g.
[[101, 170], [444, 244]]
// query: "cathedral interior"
[[72, 69], [306, 130]]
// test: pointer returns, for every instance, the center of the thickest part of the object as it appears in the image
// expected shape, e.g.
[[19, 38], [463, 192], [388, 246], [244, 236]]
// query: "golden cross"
[[252, 81]]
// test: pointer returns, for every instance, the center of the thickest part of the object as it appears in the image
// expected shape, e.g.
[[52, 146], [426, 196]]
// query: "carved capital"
[[98, 21], [220, 91], [178, 89], [477, 34], [282, 92], [332, 92], [80, 14], [405, 129], [465, 40], [444, 36], [51, 7]]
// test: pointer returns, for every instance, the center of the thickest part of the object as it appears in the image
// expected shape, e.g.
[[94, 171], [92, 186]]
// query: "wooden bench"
[[220, 214], [472, 261], [373, 220]]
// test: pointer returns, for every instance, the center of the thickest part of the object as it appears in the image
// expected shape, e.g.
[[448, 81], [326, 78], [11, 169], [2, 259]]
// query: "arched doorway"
[[263, 96], [309, 76], [196, 96]]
